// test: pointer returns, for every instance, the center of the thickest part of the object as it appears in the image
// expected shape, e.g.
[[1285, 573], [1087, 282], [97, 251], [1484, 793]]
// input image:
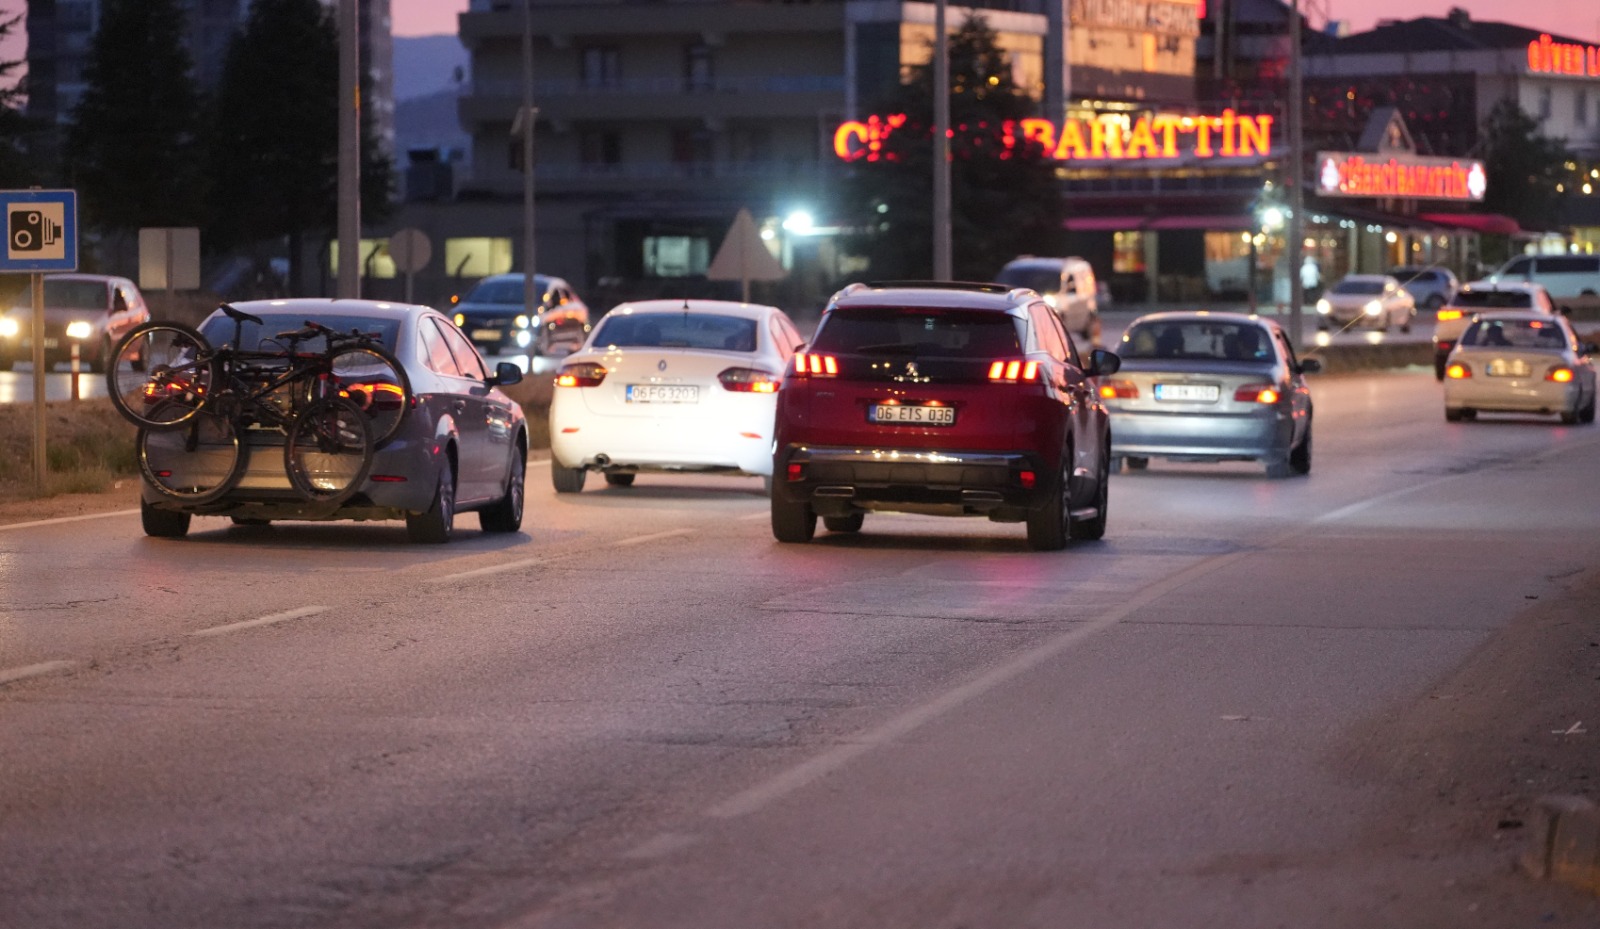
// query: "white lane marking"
[[480, 572], [33, 670], [285, 616], [539, 463], [755, 516], [787, 782], [67, 519], [1371, 502], [641, 539]]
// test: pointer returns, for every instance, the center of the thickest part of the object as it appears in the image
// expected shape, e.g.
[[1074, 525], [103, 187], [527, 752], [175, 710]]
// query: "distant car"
[[942, 399], [1067, 284], [1208, 387], [463, 444], [1376, 301], [670, 386], [1452, 319], [494, 316], [93, 310], [1569, 278], [1511, 362], [1430, 287]]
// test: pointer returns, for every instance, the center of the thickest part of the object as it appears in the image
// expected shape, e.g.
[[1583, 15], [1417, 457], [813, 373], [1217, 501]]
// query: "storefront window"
[[1127, 255], [676, 255], [477, 257]]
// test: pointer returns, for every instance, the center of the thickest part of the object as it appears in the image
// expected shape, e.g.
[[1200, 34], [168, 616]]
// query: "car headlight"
[[524, 339], [8, 327], [1373, 308], [521, 321], [79, 330], [461, 319], [1050, 299], [1324, 307]]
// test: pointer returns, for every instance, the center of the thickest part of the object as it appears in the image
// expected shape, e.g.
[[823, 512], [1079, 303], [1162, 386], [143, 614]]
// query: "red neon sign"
[[1231, 135], [1547, 56], [1345, 174]]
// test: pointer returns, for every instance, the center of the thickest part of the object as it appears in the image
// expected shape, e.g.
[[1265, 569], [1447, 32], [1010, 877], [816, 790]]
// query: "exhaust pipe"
[[602, 461]]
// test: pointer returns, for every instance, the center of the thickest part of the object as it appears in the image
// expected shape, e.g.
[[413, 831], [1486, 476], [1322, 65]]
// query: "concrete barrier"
[[1566, 843], [1338, 359]]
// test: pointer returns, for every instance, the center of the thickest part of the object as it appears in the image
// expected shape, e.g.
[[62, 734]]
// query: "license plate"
[[1206, 393], [486, 335], [912, 414], [1500, 367], [663, 393]]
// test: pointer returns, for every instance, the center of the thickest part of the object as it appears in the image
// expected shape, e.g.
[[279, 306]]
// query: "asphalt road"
[[642, 712]]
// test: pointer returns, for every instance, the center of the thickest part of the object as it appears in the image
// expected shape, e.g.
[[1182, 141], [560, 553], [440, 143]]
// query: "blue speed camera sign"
[[41, 230]]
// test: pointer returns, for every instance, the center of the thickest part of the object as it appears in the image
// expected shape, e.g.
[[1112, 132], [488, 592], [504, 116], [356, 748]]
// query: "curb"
[[1337, 359], [1566, 843]]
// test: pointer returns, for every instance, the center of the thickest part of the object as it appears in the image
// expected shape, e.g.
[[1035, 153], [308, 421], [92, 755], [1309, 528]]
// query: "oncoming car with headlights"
[[670, 386], [494, 315], [93, 311], [1376, 301]]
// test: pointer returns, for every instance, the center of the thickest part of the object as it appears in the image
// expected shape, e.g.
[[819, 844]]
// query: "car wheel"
[[1093, 530], [1569, 417], [1439, 367], [1586, 415], [1300, 455], [1048, 524], [1405, 323], [1452, 416], [433, 526], [620, 480], [1137, 463], [97, 364], [505, 515], [851, 523], [163, 524], [792, 521], [566, 480]]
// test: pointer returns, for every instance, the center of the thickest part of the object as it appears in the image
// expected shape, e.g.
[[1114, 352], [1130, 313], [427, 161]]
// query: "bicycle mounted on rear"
[[196, 405]]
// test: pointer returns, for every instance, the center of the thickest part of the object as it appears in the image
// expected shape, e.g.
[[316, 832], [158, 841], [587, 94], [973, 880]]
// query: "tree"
[[1523, 167], [274, 154], [15, 170], [132, 145], [1004, 196]]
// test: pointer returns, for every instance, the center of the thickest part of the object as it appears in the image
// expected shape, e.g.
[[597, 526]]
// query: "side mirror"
[[1309, 366], [505, 374], [1102, 362]]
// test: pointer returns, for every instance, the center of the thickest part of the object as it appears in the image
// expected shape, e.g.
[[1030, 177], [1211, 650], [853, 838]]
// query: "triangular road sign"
[[744, 257]]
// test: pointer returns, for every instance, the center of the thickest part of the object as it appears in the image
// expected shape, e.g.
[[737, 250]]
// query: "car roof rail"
[[982, 287]]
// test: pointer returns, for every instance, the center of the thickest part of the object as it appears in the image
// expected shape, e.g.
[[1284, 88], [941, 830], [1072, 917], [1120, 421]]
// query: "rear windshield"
[[1515, 333], [947, 333], [1043, 280], [1197, 340], [1494, 299], [677, 330], [264, 338], [1358, 287]]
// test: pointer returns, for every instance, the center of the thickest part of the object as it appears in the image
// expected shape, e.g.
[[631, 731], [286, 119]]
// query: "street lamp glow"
[[1272, 218], [800, 222]]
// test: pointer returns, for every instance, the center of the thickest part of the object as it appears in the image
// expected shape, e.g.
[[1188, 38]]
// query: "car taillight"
[[375, 396], [1014, 370], [1458, 371], [806, 364], [748, 381], [1449, 314], [1119, 390], [1256, 393], [584, 374], [795, 472], [1559, 374]]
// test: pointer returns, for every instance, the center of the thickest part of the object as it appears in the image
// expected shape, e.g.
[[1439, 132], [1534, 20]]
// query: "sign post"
[[410, 250], [41, 235]]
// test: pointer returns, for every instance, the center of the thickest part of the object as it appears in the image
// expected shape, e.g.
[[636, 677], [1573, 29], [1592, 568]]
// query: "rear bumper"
[[1264, 436], [736, 440], [836, 481], [1511, 395]]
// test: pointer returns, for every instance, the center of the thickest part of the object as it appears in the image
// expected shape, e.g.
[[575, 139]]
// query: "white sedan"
[[1373, 300], [1519, 362], [671, 386]]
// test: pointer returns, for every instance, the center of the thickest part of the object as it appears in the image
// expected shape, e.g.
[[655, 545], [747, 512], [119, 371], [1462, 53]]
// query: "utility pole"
[[349, 150], [942, 270], [1295, 178], [531, 298]]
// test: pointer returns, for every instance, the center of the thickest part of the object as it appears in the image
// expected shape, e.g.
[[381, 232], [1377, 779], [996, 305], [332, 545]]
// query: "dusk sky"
[[1579, 19]]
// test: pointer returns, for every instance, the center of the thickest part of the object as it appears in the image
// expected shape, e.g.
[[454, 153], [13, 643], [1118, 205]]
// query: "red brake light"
[[749, 381], [1029, 479], [1014, 370], [796, 472], [1256, 393], [1559, 375], [1119, 390], [1458, 371], [583, 374], [815, 365]]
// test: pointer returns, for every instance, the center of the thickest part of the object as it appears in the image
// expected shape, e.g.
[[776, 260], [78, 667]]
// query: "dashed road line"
[[9, 675], [67, 519], [480, 572], [283, 617], [641, 539]]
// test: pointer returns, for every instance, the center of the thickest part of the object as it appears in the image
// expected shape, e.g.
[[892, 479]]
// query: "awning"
[[1105, 223], [1218, 222], [1477, 222]]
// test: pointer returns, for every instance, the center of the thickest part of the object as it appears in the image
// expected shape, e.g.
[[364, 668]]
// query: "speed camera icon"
[[35, 231]]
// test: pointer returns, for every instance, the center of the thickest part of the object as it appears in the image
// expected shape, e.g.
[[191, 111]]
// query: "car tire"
[[851, 523], [1137, 462], [505, 514], [1439, 367], [434, 525], [792, 521], [566, 480], [163, 524], [1300, 455], [1093, 530], [1049, 525], [1569, 417], [620, 480], [1452, 416], [1405, 324], [1586, 415]]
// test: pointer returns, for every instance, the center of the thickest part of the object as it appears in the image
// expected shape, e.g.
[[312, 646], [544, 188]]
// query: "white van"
[[1067, 284], [1565, 276]]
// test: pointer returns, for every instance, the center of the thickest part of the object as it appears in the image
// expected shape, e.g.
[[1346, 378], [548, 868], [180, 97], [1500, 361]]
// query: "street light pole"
[[1295, 178], [531, 298], [349, 192], [942, 270]]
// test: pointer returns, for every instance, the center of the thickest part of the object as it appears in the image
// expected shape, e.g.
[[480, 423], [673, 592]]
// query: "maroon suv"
[[947, 399]]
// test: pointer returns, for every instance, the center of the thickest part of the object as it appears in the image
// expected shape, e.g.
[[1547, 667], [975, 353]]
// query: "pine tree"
[[15, 171]]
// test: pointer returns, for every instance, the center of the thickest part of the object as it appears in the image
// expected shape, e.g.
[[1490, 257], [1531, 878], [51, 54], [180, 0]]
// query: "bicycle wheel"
[[160, 375], [371, 378], [329, 450], [197, 463]]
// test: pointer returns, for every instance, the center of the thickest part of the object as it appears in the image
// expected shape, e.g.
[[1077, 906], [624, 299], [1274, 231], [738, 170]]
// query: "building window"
[[1127, 252], [600, 147], [676, 255], [477, 257], [699, 71], [1544, 103], [692, 150], [750, 144], [600, 66]]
